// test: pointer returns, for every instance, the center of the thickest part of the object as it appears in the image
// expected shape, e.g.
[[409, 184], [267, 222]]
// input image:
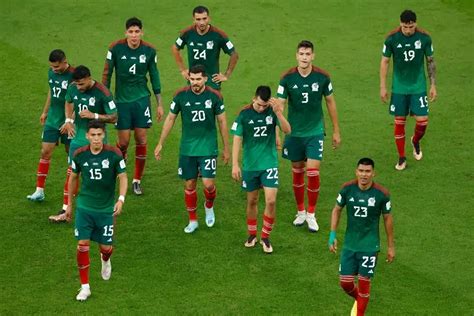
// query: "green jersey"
[[198, 115], [258, 138], [364, 208], [408, 60], [205, 49], [58, 83], [97, 100], [304, 94], [98, 176], [131, 66]]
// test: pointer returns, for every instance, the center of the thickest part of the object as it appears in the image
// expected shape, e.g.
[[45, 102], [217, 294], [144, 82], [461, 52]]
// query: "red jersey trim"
[[216, 92], [81, 150], [381, 188], [422, 31], [289, 72], [245, 107], [396, 30], [147, 44], [70, 69], [182, 90], [321, 71], [102, 88], [186, 30], [112, 148], [218, 30], [120, 41], [348, 183]]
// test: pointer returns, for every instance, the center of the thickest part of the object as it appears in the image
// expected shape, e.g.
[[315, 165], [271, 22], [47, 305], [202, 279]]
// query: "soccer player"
[[255, 128], [204, 42], [199, 106], [52, 118], [365, 202], [132, 59], [304, 86], [409, 46], [98, 165], [87, 99]]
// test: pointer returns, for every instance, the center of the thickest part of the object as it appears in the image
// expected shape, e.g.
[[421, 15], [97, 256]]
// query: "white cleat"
[[210, 217], [402, 164], [84, 293], [300, 218], [417, 153], [37, 196], [312, 223], [192, 226], [106, 269]]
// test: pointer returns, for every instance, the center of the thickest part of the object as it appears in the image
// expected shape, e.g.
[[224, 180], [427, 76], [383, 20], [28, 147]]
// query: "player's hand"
[[218, 78], [43, 118], [433, 93], [336, 140], [226, 155], [384, 95], [118, 208], [86, 114], [68, 128], [333, 246], [390, 254], [160, 112], [236, 173], [276, 105], [68, 213], [158, 149], [185, 74]]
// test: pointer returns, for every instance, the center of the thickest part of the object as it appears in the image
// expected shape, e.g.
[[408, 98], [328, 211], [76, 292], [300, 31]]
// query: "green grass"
[[159, 269]]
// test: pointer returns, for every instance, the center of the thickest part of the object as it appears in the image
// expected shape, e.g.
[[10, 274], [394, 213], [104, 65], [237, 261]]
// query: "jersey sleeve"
[[109, 104], [219, 107], [341, 198], [429, 47], [282, 91], [175, 106], [75, 165], [327, 87], [237, 128], [227, 46], [181, 41], [386, 205], [120, 165], [68, 96], [387, 48], [154, 73], [108, 68]]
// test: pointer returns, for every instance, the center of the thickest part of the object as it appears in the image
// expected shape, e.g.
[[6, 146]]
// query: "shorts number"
[[305, 97], [56, 92], [409, 55], [199, 55], [272, 173], [260, 131], [360, 211], [321, 145], [423, 102], [108, 231], [96, 174], [198, 116], [133, 69], [369, 260], [82, 107], [210, 164], [147, 112]]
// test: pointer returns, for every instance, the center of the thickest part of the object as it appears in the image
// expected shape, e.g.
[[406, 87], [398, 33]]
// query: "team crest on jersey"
[[418, 44], [142, 59], [371, 201], [315, 87], [64, 84], [208, 104], [269, 120], [105, 164], [92, 101], [210, 45]]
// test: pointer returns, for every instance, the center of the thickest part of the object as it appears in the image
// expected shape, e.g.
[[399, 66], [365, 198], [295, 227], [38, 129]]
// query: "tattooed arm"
[[431, 67]]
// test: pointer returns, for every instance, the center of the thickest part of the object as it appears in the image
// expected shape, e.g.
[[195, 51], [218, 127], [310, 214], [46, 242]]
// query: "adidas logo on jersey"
[[351, 199], [124, 57], [149, 121], [251, 122], [86, 164], [187, 104], [399, 46], [295, 86]]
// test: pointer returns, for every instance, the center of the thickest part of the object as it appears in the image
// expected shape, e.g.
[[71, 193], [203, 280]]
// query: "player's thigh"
[[251, 181], [367, 261], [269, 178], [141, 113], [399, 104], [50, 135], [83, 225], [103, 232], [314, 146], [188, 167], [47, 150], [294, 148], [124, 112], [208, 166], [349, 264], [419, 104]]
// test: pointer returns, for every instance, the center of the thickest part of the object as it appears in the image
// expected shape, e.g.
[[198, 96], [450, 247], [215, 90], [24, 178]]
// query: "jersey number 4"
[[133, 69]]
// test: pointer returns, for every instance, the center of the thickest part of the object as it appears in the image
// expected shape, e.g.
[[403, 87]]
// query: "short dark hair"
[[134, 21], [81, 72], [198, 69], [408, 16], [95, 124], [264, 92], [57, 55], [305, 44], [200, 9], [366, 162]]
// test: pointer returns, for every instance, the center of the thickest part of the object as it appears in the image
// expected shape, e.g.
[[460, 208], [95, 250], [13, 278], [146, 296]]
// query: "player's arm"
[[72, 184], [384, 63], [218, 78], [332, 110], [167, 126], [335, 216], [44, 114], [179, 61], [221, 119], [156, 86], [388, 223], [123, 185], [277, 107], [236, 144], [68, 126], [106, 118], [431, 68], [108, 69]]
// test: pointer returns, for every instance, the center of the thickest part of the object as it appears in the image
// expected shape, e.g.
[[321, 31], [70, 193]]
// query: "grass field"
[[160, 270]]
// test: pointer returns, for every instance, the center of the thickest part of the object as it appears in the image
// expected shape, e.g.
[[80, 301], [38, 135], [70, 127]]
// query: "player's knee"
[[46, 153], [83, 246], [190, 185], [347, 284], [252, 201], [270, 203]]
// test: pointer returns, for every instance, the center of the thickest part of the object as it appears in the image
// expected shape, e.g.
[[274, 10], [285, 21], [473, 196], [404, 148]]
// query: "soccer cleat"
[[106, 268], [37, 196], [300, 218], [192, 226], [84, 293], [312, 223], [137, 189], [267, 246], [210, 217], [251, 241], [58, 218], [417, 153], [354, 309], [402, 164]]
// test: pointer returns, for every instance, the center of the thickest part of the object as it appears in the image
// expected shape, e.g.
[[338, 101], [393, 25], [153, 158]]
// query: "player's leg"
[[367, 261], [252, 212], [314, 153], [140, 159], [347, 271], [190, 199], [207, 167], [268, 217], [419, 107], [399, 108], [83, 225], [103, 234]]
